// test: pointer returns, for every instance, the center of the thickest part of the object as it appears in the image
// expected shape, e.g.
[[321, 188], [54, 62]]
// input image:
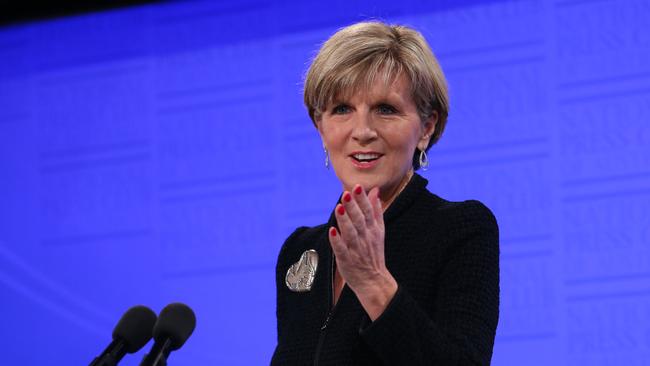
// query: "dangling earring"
[[327, 158], [424, 160]]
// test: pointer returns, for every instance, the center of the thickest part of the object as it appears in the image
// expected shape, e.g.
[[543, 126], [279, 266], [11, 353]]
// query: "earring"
[[424, 160], [327, 158]]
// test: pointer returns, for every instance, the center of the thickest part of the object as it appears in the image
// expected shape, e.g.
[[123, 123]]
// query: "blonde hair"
[[355, 56]]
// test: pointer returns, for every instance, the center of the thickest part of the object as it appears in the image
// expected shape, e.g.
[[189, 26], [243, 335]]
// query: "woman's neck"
[[386, 202]]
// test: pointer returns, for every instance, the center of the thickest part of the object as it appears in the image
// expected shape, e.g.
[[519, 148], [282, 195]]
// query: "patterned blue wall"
[[162, 153]]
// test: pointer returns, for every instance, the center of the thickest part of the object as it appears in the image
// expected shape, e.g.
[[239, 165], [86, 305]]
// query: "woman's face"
[[372, 135]]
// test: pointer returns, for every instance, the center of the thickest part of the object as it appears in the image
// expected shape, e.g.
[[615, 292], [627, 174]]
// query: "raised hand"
[[359, 249]]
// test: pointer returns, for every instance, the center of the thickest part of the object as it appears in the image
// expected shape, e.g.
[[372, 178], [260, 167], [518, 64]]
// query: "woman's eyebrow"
[[387, 99]]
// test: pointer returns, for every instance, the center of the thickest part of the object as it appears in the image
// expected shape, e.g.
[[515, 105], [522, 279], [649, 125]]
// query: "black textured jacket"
[[445, 258]]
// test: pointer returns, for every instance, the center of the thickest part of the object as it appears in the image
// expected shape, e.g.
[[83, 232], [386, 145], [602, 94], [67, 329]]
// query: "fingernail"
[[333, 232], [347, 197], [358, 190], [340, 210]]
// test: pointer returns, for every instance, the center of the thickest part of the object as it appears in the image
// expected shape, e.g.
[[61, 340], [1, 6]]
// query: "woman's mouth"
[[365, 160]]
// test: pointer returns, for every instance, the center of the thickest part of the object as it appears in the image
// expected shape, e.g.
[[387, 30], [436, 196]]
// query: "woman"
[[398, 275]]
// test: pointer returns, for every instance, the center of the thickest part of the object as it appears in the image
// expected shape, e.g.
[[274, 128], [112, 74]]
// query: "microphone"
[[175, 324], [131, 333]]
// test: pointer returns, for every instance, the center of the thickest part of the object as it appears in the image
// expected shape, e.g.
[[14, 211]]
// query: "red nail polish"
[[340, 210], [347, 197], [358, 190], [333, 231]]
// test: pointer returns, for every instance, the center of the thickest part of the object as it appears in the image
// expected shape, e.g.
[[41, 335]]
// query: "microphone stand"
[[158, 355], [115, 351]]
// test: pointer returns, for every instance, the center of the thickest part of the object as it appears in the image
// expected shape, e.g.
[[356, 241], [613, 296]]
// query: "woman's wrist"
[[376, 297]]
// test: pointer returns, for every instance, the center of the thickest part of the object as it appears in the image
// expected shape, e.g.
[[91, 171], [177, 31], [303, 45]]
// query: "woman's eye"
[[386, 109], [340, 109]]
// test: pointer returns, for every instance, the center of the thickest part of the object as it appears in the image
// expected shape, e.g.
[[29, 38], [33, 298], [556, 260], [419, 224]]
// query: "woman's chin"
[[367, 183]]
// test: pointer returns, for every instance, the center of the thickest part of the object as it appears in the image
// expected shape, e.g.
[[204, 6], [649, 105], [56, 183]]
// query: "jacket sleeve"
[[460, 326], [279, 278]]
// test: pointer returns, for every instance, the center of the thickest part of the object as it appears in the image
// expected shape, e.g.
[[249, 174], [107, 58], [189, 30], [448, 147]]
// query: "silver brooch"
[[300, 275]]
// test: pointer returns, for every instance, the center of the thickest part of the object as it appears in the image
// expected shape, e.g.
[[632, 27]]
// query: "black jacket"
[[445, 258]]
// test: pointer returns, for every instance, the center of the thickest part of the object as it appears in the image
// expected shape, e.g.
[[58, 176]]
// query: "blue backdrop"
[[162, 153]]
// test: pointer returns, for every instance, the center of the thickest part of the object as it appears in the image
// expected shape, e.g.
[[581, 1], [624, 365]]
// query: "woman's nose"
[[363, 130]]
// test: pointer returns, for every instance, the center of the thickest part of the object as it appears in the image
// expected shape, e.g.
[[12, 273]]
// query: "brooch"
[[300, 275]]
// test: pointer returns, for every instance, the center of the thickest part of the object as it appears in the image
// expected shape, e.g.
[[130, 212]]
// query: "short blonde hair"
[[355, 56]]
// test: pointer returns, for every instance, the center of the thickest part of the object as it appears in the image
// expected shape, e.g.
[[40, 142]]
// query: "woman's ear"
[[318, 122], [428, 128], [319, 126]]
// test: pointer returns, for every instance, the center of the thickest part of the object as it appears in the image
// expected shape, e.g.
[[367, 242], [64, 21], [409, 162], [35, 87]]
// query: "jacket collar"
[[405, 199]]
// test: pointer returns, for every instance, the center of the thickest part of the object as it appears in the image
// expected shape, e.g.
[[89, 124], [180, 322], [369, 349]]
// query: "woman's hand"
[[359, 249]]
